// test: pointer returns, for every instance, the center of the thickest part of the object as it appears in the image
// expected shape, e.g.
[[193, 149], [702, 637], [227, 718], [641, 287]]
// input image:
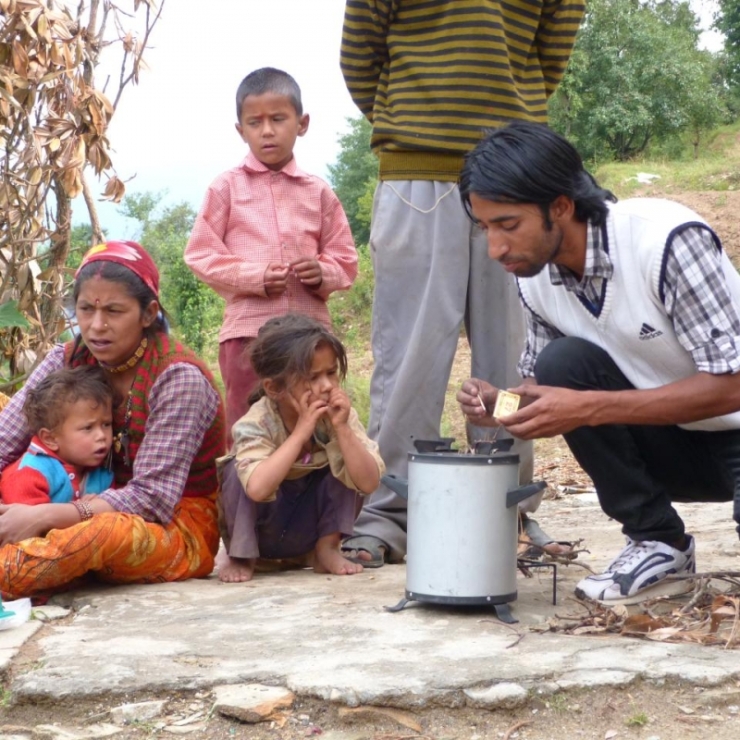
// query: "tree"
[[53, 124], [355, 170], [636, 77], [727, 21], [708, 111], [194, 308]]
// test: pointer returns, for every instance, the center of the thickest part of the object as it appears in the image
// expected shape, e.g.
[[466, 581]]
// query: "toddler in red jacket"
[[70, 413]]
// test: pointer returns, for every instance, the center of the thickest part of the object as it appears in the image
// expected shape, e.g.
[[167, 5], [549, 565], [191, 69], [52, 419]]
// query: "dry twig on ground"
[[515, 727], [710, 616]]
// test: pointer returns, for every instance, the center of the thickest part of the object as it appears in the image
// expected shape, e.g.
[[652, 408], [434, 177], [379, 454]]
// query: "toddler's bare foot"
[[234, 570], [329, 559]]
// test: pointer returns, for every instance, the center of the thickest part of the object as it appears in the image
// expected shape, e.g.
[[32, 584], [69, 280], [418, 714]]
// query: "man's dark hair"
[[46, 406], [266, 80], [530, 163]]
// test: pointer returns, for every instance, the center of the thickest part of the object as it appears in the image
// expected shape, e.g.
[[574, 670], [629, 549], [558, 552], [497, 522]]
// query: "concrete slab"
[[330, 637], [12, 640]]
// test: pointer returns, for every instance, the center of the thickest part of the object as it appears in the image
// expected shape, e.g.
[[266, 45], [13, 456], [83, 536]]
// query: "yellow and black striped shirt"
[[432, 75]]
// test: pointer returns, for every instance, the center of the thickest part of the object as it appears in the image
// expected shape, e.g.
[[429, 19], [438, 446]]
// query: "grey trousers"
[[432, 273]]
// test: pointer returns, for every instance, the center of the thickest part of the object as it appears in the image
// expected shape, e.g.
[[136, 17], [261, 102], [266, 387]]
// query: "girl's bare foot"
[[234, 570], [329, 559]]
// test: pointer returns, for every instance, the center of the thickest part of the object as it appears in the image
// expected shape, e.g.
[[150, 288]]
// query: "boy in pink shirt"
[[269, 238]]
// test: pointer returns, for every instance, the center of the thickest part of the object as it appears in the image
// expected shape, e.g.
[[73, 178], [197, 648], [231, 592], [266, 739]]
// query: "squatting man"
[[632, 346]]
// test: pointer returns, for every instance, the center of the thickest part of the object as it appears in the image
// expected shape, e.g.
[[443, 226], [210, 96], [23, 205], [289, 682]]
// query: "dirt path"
[[641, 711]]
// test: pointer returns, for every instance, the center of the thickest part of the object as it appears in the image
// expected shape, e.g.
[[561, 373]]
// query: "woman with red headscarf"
[[159, 522]]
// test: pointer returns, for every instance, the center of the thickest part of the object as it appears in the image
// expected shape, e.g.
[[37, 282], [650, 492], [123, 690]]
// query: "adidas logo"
[[647, 332]]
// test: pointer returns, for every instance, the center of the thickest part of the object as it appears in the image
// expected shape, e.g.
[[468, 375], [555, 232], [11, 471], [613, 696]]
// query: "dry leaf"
[[20, 58], [664, 633], [588, 630], [114, 190], [406, 719], [640, 624]]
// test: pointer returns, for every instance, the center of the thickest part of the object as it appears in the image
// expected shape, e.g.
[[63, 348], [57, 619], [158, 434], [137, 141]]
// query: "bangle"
[[83, 509]]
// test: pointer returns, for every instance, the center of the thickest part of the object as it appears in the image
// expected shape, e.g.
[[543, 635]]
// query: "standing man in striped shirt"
[[431, 76]]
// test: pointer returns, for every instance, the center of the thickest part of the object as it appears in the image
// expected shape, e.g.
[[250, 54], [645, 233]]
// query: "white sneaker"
[[638, 573]]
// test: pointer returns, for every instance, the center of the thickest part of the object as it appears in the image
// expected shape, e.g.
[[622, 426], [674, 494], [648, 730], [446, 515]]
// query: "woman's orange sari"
[[114, 548], [124, 548]]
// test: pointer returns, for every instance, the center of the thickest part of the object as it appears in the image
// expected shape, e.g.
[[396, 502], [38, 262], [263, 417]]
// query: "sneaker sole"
[[663, 588]]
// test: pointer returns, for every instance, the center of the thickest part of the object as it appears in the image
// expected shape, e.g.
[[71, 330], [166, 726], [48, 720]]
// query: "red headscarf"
[[128, 254]]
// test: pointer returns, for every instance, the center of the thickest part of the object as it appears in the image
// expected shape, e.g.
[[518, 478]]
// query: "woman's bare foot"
[[329, 559], [234, 570]]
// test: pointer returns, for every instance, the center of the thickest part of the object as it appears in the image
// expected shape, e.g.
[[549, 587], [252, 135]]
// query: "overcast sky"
[[175, 131]]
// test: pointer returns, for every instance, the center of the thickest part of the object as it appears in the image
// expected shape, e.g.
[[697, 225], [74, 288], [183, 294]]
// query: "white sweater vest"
[[633, 326]]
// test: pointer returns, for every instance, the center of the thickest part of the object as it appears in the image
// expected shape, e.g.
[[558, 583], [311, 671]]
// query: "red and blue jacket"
[[39, 476]]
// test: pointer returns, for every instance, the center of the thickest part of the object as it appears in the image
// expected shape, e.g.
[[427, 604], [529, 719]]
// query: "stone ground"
[[358, 671]]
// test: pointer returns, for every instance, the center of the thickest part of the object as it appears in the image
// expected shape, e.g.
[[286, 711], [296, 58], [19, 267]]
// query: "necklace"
[[121, 440], [131, 362]]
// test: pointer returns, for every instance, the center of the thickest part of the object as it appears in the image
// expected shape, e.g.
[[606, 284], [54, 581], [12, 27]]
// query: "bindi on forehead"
[[99, 290]]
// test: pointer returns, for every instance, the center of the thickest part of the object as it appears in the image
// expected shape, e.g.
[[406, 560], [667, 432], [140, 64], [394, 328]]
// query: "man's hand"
[[476, 399], [546, 412], [308, 271], [276, 279]]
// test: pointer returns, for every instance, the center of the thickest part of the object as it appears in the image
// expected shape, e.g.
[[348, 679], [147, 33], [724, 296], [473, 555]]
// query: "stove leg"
[[503, 612], [397, 608]]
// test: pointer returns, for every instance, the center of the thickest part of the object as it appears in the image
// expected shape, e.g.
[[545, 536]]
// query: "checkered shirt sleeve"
[[698, 301], [539, 335]]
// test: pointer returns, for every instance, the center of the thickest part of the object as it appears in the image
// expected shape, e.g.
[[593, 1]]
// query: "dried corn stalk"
[[53, 125]]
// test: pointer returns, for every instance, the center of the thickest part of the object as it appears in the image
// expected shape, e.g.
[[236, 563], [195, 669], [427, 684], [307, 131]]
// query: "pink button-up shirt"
[[252, 216]]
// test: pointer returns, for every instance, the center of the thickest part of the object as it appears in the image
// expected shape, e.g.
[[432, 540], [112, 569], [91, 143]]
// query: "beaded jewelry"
[[121, 440], [131, 362]]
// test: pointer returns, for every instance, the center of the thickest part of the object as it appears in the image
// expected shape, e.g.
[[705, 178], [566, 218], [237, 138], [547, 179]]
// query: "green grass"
[[351, 310], [358, 389], [637, 720], [718, 168], [557, 703]]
